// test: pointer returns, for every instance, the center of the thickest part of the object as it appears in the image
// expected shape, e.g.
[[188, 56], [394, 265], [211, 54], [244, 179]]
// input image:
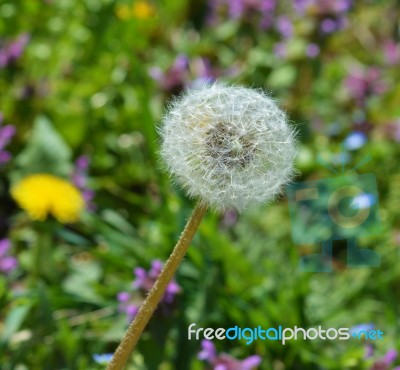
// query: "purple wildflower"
[[331, 13], [386, 362], [267, 9], [12, 50], [284, 26], [144, 281], [393, 130], [188, 73], [175, 77], [203, 71], [312, 50], [230, 218], [80, 180], [331, 6], [263, 10], [342, 6], [369, 351], [390, 356], [280, 50], [6, 134], [300, 6], [7, 263], [325, 7], [329, 25], [360, 84], [391, 52], [127, 306], [223, 361], [333, 23], [208, 351]]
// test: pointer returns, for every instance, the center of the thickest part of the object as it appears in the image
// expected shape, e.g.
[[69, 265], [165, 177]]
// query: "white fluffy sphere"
[[228, 146]]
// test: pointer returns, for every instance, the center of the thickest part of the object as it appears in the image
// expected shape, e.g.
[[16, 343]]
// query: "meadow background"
[[83, 86]]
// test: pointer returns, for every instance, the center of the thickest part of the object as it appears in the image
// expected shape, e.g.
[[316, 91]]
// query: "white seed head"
[[228, 146]]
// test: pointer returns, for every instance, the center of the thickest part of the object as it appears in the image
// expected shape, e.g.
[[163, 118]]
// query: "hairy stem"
[[155, 295]]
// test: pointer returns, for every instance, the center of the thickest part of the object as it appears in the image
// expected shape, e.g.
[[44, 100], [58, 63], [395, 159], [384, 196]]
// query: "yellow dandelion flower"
[[41, 195], [142, 9]]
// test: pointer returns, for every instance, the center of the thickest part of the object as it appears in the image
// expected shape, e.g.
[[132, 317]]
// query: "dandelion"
[[229, 147], [142, 10], [41, 195]]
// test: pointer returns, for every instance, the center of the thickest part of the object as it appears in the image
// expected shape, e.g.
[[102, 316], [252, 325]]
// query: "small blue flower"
[[103, 359], [355, 140], [363, 201], [361, 328]]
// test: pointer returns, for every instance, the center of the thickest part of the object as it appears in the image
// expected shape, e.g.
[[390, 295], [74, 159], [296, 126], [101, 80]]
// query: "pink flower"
[[7, 263], [6, 134], [144, 281], [80, 180], [13, 50], [223, 361], [391, 52], [363, 83]]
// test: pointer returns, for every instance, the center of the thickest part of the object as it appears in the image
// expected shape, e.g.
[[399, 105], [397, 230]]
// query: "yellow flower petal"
[[41, 195], [142, 10]]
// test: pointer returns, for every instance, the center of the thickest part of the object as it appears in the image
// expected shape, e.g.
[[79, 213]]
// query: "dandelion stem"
[[155, 295]]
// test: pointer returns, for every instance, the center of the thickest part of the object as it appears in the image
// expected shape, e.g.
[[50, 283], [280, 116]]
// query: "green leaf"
[[81, 283], [46, 152], [282, 77], [13, 322]]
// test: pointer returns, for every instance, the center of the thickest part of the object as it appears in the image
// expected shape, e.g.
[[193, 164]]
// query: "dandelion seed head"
[[229, 146]]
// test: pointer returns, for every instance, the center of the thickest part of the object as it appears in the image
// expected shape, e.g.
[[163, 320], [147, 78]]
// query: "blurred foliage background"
[[83, 86]]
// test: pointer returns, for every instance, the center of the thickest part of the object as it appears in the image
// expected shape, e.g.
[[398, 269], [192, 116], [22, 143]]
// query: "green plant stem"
[[155, 295], [42, 258]]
